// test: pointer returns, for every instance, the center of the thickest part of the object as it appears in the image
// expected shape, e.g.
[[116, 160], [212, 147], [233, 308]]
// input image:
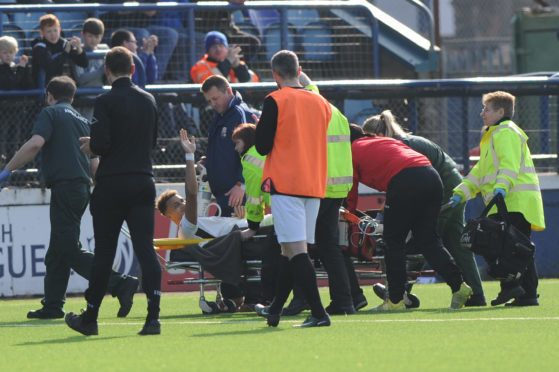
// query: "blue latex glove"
[[455, 200], [501, 191], [4, 178]]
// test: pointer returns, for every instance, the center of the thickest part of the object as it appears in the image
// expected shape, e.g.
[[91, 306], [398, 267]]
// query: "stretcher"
[[360, 238]]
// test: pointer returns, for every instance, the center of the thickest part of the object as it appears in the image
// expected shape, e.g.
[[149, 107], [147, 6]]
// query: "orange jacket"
[[297, 163], [204, 68]]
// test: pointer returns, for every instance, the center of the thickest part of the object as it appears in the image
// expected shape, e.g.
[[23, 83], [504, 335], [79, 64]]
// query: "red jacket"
[[376, 160]]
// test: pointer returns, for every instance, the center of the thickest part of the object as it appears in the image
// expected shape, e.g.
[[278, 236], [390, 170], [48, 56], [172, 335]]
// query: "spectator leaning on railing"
[[52, 54]]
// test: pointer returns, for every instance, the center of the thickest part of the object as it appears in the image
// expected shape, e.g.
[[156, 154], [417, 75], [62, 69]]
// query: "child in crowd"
[[52, 53], [94, 74], [12, 75]]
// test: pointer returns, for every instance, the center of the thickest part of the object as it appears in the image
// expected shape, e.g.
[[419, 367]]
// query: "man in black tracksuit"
[[123, 133]]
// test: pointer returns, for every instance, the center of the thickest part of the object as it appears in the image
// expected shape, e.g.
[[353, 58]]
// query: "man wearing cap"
[[220, 59]]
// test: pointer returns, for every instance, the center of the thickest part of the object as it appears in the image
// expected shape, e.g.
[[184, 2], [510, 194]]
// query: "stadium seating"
[[316, 42], [271, 39]]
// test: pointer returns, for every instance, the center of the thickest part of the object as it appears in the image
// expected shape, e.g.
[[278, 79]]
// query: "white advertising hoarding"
[[24, 240]]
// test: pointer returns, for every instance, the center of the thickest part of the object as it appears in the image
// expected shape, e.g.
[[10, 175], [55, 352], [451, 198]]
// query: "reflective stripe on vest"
[[339, 180], [339, 138], [254, 161], [253, 200], [517, 188]]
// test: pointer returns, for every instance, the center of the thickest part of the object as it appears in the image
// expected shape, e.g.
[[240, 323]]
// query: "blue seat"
[[316, 42], [248, 27], [69, 19], [263, 18], [302, 17], [4, 18], [271, 39], [238, 16], [27, 21]]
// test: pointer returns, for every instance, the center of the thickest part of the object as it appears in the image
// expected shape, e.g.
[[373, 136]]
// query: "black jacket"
[[15, 78], [50, 60], [124, 130]]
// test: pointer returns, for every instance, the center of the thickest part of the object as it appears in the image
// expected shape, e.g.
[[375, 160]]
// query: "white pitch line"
[[334, 320]]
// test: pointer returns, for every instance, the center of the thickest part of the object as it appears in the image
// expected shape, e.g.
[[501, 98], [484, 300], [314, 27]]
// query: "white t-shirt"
[[187, 229]]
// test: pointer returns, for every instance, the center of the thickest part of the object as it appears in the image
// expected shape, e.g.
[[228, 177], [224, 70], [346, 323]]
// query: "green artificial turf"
[[425, 339]]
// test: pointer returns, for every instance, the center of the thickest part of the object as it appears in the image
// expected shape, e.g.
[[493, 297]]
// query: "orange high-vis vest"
[[298, 161], [205, 68]]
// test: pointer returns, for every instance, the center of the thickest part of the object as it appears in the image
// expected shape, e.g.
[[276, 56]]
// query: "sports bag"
[[505, 248]]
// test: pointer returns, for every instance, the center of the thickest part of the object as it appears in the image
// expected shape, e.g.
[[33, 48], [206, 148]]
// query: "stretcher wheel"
[[209, 307], [230, 306]]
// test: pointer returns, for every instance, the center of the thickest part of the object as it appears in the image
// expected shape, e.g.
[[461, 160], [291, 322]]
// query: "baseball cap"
[[215, 37]]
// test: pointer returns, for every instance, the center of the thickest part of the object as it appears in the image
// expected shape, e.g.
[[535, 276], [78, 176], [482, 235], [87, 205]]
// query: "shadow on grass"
[[32, 323], [219, 316], [71, 339], [264, 329]]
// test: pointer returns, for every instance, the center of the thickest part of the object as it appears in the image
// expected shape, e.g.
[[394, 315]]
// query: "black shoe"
[[311, 321], [75, 322], [151, 327], [125, 295], [359, 302], [380, 291], [295, 307], [524, 302], [332, 309], [264, 311], [410, 300], [508, 294], [44, 313], [476, 300]]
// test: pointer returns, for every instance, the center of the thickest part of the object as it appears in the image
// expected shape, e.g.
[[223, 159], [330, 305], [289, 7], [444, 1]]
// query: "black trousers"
[[529, 278], [114, 200], [413, 202], [68, 203], [329, 252]]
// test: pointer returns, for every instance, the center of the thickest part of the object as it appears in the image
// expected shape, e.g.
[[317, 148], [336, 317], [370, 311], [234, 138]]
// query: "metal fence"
[[445, 111], [329, 45]]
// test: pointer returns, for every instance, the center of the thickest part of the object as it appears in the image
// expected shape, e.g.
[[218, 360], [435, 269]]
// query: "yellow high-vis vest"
[[505, 162]]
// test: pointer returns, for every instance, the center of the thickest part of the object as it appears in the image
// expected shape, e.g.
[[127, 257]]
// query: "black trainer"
[[311, 321], [332, 309], [295, 307], [75, 322], [264, 311], [508, 294], [44, 313], [476, 300], [125, 295], [524, 302], [151, 327]]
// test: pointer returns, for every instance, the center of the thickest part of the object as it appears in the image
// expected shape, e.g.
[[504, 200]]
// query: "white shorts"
[[294, 218]]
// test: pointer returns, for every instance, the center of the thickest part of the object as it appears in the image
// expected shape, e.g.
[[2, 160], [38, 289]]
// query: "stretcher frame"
[[373, 269]]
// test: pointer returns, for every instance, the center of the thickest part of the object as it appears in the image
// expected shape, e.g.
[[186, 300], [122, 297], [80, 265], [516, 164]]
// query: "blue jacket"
[[222, 161]]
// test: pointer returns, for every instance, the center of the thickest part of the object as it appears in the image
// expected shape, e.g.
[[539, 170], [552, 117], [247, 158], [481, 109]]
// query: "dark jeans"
[[116, 199], [67, 205], [413, 202], [529, 278], [330, 254]]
